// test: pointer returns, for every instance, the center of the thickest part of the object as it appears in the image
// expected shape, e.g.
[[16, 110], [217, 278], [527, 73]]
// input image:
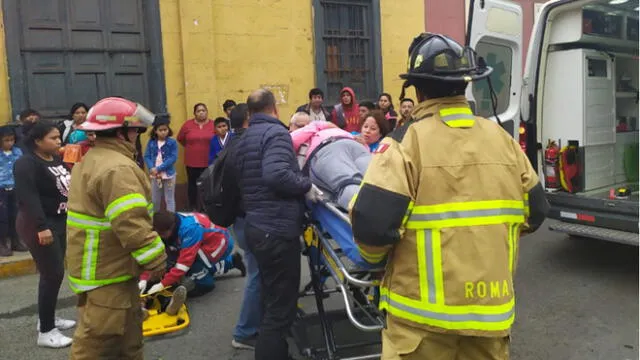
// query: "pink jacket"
[[314, 134]]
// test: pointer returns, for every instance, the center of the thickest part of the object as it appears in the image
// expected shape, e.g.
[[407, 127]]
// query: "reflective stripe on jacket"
[[109, 227], [444, 199]]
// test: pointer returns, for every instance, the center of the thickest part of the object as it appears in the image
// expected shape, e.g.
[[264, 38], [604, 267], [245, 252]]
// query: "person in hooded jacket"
[[245, 333], [273, 194], [346, 114]]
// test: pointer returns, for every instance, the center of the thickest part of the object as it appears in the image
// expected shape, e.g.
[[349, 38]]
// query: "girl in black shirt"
[[42, 184]]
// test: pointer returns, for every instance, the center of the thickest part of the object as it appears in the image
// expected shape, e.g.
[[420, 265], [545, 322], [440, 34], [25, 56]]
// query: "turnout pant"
[[338, 168], [404, 342], [109, 324], [279, 268]]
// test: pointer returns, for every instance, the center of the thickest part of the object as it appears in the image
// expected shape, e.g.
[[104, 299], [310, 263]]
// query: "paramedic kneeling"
[[197, 251], [450, 193]]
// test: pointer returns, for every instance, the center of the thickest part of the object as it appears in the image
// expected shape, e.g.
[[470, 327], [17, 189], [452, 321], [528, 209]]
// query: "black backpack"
[[219, 190]]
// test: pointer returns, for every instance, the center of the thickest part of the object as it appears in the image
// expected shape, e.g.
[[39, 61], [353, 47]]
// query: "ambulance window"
[[499, 57], [597, 67]]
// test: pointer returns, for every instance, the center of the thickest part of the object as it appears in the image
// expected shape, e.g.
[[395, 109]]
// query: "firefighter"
[[110, 234], [444, 201]]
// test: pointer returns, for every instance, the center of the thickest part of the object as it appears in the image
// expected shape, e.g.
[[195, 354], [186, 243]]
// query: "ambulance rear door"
[[494, 31]]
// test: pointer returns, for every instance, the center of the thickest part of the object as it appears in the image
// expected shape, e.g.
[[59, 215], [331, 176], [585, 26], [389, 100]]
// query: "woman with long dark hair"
[[42, 186], [386, 105], [77, 115]]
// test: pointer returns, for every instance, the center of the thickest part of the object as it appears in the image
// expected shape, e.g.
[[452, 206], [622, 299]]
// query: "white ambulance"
[[580, 85]]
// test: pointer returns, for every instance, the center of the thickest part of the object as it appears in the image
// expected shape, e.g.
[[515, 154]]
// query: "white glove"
[[142, 285], [156, 288], [314, 194]]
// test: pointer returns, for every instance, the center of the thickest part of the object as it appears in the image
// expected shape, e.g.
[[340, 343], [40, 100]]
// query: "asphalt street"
[[576, 299]]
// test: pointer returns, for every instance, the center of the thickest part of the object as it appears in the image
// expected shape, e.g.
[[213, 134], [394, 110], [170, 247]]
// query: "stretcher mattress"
[[341, 238]]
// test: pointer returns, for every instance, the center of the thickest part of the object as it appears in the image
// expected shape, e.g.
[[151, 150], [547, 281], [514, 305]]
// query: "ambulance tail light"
[[522, 136]]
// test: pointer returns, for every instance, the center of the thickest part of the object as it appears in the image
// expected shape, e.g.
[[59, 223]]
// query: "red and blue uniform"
[[197, 249]]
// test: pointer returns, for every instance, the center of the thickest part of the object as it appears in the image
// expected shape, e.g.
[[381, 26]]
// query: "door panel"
[[495, 33], [77, 51]]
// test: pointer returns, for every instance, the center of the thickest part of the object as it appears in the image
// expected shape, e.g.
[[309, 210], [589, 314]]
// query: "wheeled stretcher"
[[332, 254]]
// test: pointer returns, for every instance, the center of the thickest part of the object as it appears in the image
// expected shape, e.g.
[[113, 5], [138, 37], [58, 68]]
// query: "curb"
[[17, 265]]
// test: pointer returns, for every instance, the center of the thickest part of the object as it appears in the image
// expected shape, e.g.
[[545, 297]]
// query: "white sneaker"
[[61, 324], [53, 339]]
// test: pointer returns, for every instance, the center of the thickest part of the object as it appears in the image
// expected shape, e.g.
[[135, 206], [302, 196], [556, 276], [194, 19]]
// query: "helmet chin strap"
[[125, 129], [125, 135], [405, 85]]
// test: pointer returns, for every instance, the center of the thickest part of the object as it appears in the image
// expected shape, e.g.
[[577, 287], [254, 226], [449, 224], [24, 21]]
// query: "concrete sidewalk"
[[20, 263]]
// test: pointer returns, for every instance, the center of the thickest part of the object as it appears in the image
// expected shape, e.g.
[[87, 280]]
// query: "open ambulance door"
[[494, 31]]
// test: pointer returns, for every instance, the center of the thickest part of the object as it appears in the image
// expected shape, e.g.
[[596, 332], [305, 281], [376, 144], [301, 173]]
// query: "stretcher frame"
[[160, 323], [352, 282]]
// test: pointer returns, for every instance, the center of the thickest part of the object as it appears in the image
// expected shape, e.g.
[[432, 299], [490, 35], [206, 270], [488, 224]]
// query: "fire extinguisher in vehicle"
[[551, 167]]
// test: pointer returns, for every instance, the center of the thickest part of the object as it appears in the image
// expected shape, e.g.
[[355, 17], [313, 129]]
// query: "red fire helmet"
[[113, 113]]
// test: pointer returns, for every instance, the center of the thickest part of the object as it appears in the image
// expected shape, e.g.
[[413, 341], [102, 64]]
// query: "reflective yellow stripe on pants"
[[80, 286], [431, 309]]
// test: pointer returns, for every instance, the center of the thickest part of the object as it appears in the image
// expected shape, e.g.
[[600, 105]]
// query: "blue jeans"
[[251, 308], [203, 276], [167, 189]]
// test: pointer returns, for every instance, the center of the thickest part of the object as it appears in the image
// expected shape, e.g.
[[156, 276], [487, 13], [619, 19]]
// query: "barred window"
[[348, 47]]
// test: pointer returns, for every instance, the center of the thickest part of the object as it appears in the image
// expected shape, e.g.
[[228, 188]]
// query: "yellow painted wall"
[[220, 49], [400, 22], [223, 49], [5, 96]]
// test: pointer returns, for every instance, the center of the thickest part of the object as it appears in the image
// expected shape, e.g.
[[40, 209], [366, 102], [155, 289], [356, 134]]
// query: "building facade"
[[171, 54]]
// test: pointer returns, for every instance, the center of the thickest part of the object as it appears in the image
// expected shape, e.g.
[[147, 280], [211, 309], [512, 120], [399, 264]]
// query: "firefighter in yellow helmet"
[[110, 234], [444, 202]]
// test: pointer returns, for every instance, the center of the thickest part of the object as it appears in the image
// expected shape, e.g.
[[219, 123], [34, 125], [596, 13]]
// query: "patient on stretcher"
[[335, 161]]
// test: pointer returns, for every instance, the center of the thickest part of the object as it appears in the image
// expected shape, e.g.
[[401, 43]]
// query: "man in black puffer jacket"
[[273, 192]]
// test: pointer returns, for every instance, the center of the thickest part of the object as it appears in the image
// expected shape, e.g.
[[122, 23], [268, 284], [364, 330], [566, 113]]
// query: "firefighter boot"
[[177, 300], [18, 245], [5, 248]]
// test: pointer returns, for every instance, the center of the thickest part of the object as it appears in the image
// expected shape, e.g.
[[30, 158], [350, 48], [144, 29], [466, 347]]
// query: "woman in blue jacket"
[[160, 158]]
